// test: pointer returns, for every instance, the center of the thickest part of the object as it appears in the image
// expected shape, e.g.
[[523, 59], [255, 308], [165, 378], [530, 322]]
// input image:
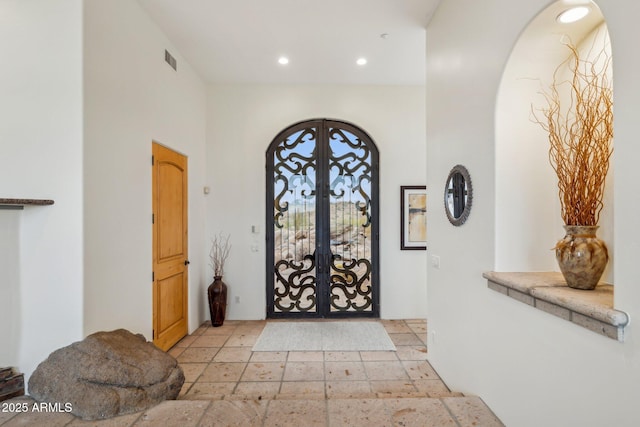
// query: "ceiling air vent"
[[170, 60]]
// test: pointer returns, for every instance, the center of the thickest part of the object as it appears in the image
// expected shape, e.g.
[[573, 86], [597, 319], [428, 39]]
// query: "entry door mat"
[[324, 336]]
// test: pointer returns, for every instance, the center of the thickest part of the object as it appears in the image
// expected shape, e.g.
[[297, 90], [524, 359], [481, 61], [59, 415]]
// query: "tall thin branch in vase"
[[219, 252], [580, 134]]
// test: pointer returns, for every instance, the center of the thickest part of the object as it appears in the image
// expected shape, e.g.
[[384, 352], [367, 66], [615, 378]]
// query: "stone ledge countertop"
[[551, 287], [25, 202]]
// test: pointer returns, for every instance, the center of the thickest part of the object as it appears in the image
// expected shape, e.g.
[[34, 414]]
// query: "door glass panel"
[[350, 175], [294, 223]]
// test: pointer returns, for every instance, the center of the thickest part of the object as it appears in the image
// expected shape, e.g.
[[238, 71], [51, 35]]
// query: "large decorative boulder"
[[107, 374]]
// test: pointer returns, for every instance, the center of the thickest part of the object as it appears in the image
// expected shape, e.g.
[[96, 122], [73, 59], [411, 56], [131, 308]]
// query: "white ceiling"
[[545, 38], [240, 41]]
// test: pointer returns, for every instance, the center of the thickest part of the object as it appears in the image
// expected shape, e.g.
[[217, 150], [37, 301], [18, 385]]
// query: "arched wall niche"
[[528, 221]]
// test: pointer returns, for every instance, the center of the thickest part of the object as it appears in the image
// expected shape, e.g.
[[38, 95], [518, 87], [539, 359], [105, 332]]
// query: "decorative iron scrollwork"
[[291, 164], [294, 219], [295, 287], [350, 169], [322, 173], [354, 163], [350, 284]]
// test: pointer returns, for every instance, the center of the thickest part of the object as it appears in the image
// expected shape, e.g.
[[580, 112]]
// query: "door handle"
[[318, 259], [323, 262], [187, 262]]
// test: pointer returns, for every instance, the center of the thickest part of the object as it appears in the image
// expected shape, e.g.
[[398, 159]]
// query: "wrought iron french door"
[[322, 222]]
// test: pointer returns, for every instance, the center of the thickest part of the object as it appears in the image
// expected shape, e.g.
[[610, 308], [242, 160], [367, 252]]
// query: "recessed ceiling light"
[[361, 61], [572, 15], [283, 60]]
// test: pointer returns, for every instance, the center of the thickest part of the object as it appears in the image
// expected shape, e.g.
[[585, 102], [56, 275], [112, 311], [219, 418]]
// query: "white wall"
[[10, 315], [242, 122], [531, 368], [527, 206], [132, 97], [41, 153]]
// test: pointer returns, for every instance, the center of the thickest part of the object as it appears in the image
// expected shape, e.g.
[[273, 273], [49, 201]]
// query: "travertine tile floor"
[[229, 385]]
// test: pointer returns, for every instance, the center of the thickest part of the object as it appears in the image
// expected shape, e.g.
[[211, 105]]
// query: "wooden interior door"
[[170, 257]]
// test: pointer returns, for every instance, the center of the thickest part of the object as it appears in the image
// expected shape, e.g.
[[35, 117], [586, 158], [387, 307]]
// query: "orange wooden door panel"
[[170, 232]]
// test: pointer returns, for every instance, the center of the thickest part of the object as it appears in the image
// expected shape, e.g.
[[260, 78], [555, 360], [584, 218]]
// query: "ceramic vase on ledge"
[[217, 292], [582, 256]]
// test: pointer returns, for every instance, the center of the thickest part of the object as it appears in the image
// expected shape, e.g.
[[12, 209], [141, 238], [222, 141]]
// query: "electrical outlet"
[[435, 261]]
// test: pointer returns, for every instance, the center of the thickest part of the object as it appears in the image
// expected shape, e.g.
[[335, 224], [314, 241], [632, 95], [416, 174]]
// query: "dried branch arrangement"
[[219, 252], [580, 134]]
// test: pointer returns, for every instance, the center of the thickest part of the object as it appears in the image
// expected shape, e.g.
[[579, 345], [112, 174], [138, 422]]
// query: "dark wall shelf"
[[21, 203]]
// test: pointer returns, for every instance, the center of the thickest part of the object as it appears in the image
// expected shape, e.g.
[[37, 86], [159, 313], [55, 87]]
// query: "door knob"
[[187, 262]]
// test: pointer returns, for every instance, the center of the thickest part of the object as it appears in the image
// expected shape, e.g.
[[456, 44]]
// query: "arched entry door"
[[322, 222]]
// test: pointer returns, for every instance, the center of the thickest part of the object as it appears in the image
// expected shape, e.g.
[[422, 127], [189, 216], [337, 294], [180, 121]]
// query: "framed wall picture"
[[413, 217]]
